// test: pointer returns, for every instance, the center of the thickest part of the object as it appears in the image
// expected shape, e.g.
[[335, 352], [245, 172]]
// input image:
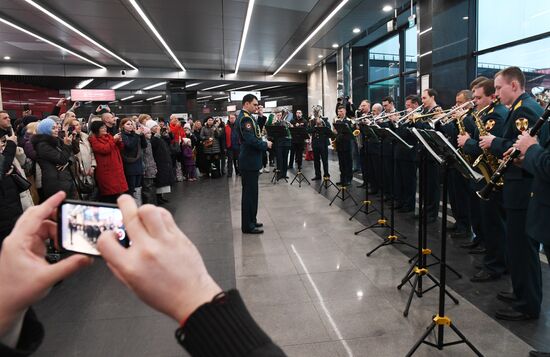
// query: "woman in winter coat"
[[54, 155], [149, 190], [85, 157], [132, 155], [10, 202], [160, 143], [209, 137], [109, 173]]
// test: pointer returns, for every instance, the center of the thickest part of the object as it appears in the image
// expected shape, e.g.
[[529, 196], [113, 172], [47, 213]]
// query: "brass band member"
[[389, 107], [364, 109], [373, 159], [522, 251], [343, 148], [491, 212], [297, 148], [283, 144], [319, 142]]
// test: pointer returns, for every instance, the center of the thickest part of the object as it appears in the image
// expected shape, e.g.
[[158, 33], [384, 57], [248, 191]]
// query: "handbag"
[[21, 183], [207, 143]]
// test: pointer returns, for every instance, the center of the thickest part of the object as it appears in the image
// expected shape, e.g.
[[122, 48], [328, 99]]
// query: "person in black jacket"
[[54, 157], [160, 143], [212, 322], [134, 142], [10, 202]]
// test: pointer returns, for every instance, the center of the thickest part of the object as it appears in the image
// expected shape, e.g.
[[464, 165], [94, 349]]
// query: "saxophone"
[[486, 163], [462, 131]]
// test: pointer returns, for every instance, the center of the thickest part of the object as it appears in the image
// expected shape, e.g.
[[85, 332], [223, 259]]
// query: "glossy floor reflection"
[[309, 285]]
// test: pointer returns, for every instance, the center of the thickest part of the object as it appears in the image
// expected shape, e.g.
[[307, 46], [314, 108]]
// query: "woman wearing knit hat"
[[54, 157]]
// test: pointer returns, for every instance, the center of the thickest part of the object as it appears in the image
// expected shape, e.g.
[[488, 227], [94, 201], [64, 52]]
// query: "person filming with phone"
[[212, 322]]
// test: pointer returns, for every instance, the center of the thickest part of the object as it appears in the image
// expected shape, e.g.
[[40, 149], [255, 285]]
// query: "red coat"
[[178, 131], [109, 173]]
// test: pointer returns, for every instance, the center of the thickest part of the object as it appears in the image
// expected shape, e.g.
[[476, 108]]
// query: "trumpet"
[[407, 118], [448, 117], [386, 117]]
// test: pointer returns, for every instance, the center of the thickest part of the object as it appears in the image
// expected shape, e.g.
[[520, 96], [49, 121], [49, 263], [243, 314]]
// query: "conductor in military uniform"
[[523, 257], [250, 159]]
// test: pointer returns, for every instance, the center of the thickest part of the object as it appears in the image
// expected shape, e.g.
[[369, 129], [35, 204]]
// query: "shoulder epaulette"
[[518, 105]]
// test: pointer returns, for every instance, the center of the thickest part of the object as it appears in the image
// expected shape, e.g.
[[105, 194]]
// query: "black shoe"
[[316, 178], [539, 354], [461, 235], [507, 296], [259, 224], [362, 186], [405, 209], [254, 231], [483, 276], [478, 250], [470, 245], [510, 314]]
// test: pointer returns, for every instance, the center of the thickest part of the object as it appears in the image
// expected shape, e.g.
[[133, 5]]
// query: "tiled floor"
[[309, 285]]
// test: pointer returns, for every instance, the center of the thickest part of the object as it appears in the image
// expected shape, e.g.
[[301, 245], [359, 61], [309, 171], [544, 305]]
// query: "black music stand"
[[276, 132], [327, 182], [367, 132], [419, 267], [299, 134], [343, 193], [390, 136], [446, 155]]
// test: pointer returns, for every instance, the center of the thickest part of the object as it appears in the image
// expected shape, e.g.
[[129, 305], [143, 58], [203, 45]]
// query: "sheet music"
[[475, 175], [403, 142], [427, 146]]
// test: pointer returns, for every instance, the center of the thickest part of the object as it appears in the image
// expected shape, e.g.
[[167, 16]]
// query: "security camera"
[[123, 73]]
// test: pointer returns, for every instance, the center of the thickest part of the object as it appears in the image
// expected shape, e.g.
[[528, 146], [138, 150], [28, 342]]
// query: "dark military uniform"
[[250, 162], [405, 170], [491, 217], [297, 148], [319, 144], [523, 252], [343, 148], [373, 147], [537, 162]]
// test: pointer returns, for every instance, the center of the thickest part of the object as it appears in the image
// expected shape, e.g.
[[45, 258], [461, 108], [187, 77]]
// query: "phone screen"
[[81, 223]]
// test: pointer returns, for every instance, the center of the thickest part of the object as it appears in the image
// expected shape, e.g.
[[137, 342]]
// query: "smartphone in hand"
[[80, 223]]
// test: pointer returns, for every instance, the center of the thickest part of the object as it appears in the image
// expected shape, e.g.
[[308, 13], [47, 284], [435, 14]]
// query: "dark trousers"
[[282, 160], [459, 200], [524, 263], [494, 232], [346, 166], [249, 200], [232, 161], [320, 153], [364, 166], [149, 192], [405, 183], [433, 193], [373, 168], [267, 156], [133, 182], [296, 154], [213, 167]]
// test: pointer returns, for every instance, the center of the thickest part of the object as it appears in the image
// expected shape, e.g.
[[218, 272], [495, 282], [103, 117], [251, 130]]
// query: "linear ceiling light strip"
[[11, 24], [156, 33], [74, 29], [311, 35], [245, 33]]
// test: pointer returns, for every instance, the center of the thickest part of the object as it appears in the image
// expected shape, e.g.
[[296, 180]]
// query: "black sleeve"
[[143, 141], [225, 328], [30, 339], [7, 157]]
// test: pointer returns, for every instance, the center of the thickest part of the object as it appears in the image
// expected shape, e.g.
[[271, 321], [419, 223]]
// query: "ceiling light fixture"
[[9, 23], [465, 18], [245, 33], [425, 31], [84, 83], [311, 35], [156, 33], [266, 88], [334, 45], [154, 85], [309, 64], [130, 97], [153, 98], [160, 101], [74, 29], [219, 86], [192, 85], [7, 58], [137, 101], [121, 84], [220, 98], [319, 56], [300, 71], [387, 8], [205, 97], [356, 30], [252, 85]]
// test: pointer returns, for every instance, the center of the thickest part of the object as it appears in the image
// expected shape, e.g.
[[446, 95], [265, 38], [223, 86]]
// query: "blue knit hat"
[[45, 126]]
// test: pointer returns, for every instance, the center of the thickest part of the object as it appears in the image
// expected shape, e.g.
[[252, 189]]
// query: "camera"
[[123, 72]]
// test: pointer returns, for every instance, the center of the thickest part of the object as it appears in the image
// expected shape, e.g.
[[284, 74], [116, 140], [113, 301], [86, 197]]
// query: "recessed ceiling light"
[[387, 8], [153, 98], [309, 64], [192, 85], [121, 84], [220, 98], [356, 30], [130, 97], [245, 33], [311, 35], [320, 56], [266, 88], [11, 24], [156, 33], [205, 97], [334, 45], [7, 58], [252, 85], [300, 71], [154, 85], [465, 18], [209, 88], [84, 83], [80, 33], [160, 101]]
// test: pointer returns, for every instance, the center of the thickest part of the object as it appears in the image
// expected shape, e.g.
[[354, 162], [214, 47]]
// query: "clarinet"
[[485, 192]]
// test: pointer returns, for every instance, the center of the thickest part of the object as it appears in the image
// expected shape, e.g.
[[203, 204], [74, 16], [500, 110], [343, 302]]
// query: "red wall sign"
[[94, 95]]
